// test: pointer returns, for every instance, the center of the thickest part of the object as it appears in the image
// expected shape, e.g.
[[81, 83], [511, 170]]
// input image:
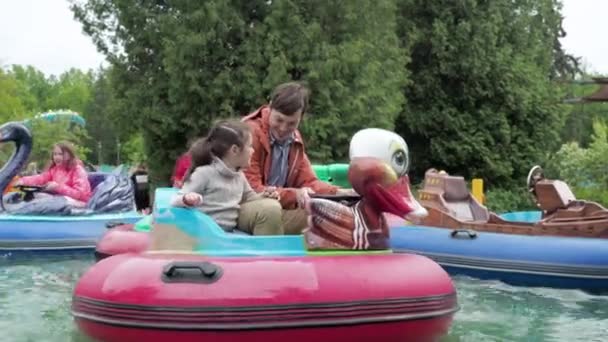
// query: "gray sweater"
[[223, 190]]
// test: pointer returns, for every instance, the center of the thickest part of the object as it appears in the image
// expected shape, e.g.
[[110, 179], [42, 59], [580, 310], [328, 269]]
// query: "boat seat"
[[459, 201], [553, 194], [95, 178]]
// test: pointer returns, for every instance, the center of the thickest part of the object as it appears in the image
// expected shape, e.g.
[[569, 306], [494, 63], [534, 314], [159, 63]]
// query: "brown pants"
[[266, 217]]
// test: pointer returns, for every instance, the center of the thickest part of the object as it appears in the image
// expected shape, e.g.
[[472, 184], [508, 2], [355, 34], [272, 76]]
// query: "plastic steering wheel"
[[536, 174], [29, 191]]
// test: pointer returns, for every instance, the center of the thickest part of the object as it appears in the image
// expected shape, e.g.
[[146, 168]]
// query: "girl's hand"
[[51, 186], [271, 192], [192, 199]]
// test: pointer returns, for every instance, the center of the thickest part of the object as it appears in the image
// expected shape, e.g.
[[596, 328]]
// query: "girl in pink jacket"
[[64, 176]]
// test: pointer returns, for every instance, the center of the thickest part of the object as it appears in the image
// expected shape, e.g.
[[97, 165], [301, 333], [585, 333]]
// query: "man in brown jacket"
[[279, 161]]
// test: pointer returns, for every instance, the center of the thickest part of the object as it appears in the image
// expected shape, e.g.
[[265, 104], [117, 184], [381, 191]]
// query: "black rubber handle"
[[191, 272], [113, 224], [468, 233]]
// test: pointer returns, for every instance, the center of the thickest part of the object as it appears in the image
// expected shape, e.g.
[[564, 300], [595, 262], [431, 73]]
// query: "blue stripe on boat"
[[562, 262]]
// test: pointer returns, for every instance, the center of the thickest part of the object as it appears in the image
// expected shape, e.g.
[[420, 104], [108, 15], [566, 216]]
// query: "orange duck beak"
[[378, 183]]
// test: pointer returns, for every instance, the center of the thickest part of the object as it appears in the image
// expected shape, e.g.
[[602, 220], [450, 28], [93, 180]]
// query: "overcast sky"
[[43, 33]]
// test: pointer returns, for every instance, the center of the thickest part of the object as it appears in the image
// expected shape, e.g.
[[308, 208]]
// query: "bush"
[[505, 200], [133, 150], [593, 194], [584, 169]]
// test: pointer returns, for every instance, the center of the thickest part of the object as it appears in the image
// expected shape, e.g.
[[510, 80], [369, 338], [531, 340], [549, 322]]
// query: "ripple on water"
[[494, 311], [35, 299]]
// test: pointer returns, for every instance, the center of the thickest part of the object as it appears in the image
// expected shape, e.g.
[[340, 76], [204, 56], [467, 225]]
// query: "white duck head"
[[378, 171]]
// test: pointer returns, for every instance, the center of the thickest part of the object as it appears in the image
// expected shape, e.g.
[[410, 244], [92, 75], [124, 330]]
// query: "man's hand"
[[303, 196], [271, 192]]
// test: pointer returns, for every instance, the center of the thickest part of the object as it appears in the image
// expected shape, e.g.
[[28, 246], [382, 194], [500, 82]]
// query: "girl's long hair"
[[218, 141], [65, 147]]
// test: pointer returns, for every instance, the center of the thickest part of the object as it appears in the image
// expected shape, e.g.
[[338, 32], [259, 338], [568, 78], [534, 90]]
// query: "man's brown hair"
[[290, 98]]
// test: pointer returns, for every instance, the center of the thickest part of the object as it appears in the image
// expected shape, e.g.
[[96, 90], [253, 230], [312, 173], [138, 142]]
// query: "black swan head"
[[22, 137]]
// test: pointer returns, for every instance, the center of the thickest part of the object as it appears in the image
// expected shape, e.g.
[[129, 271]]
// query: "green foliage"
[[178, 66], [349, 54], [579, 122], [46, 134], [133, 150], [594, 194], [467, 83], [11, 104], [26, 92], [565, 66], [597, 161], [38, 93], [584, 169], [103, 128], [481, 103], [72, 90], [567, 164], [501, 200], [35, 88]]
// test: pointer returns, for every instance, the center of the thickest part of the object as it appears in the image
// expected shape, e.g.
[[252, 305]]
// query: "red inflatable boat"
[[121, 239], [189, 280], [187, 297]]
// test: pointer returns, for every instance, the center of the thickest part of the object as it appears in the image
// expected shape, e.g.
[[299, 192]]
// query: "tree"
[[565, 65], [72, 90], [179, 66], [101, 127], [349, 54], [11, 106], [25, 92], [584, 169], [579, 121], [36, 89], [46, 134], [481, 101]]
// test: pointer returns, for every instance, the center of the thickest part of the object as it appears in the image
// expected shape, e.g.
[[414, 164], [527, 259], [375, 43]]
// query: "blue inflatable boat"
[[51, 226], [23, 236], [564, 245], [559, 262]]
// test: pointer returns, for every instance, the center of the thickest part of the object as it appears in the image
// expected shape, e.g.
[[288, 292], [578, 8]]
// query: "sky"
[[44, 33]]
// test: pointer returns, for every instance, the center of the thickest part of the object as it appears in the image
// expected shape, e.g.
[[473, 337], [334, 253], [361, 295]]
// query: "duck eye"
[[400, 162]]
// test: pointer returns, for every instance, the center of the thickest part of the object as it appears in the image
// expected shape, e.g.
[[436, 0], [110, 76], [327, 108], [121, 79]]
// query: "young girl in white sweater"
[[216, 184]]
